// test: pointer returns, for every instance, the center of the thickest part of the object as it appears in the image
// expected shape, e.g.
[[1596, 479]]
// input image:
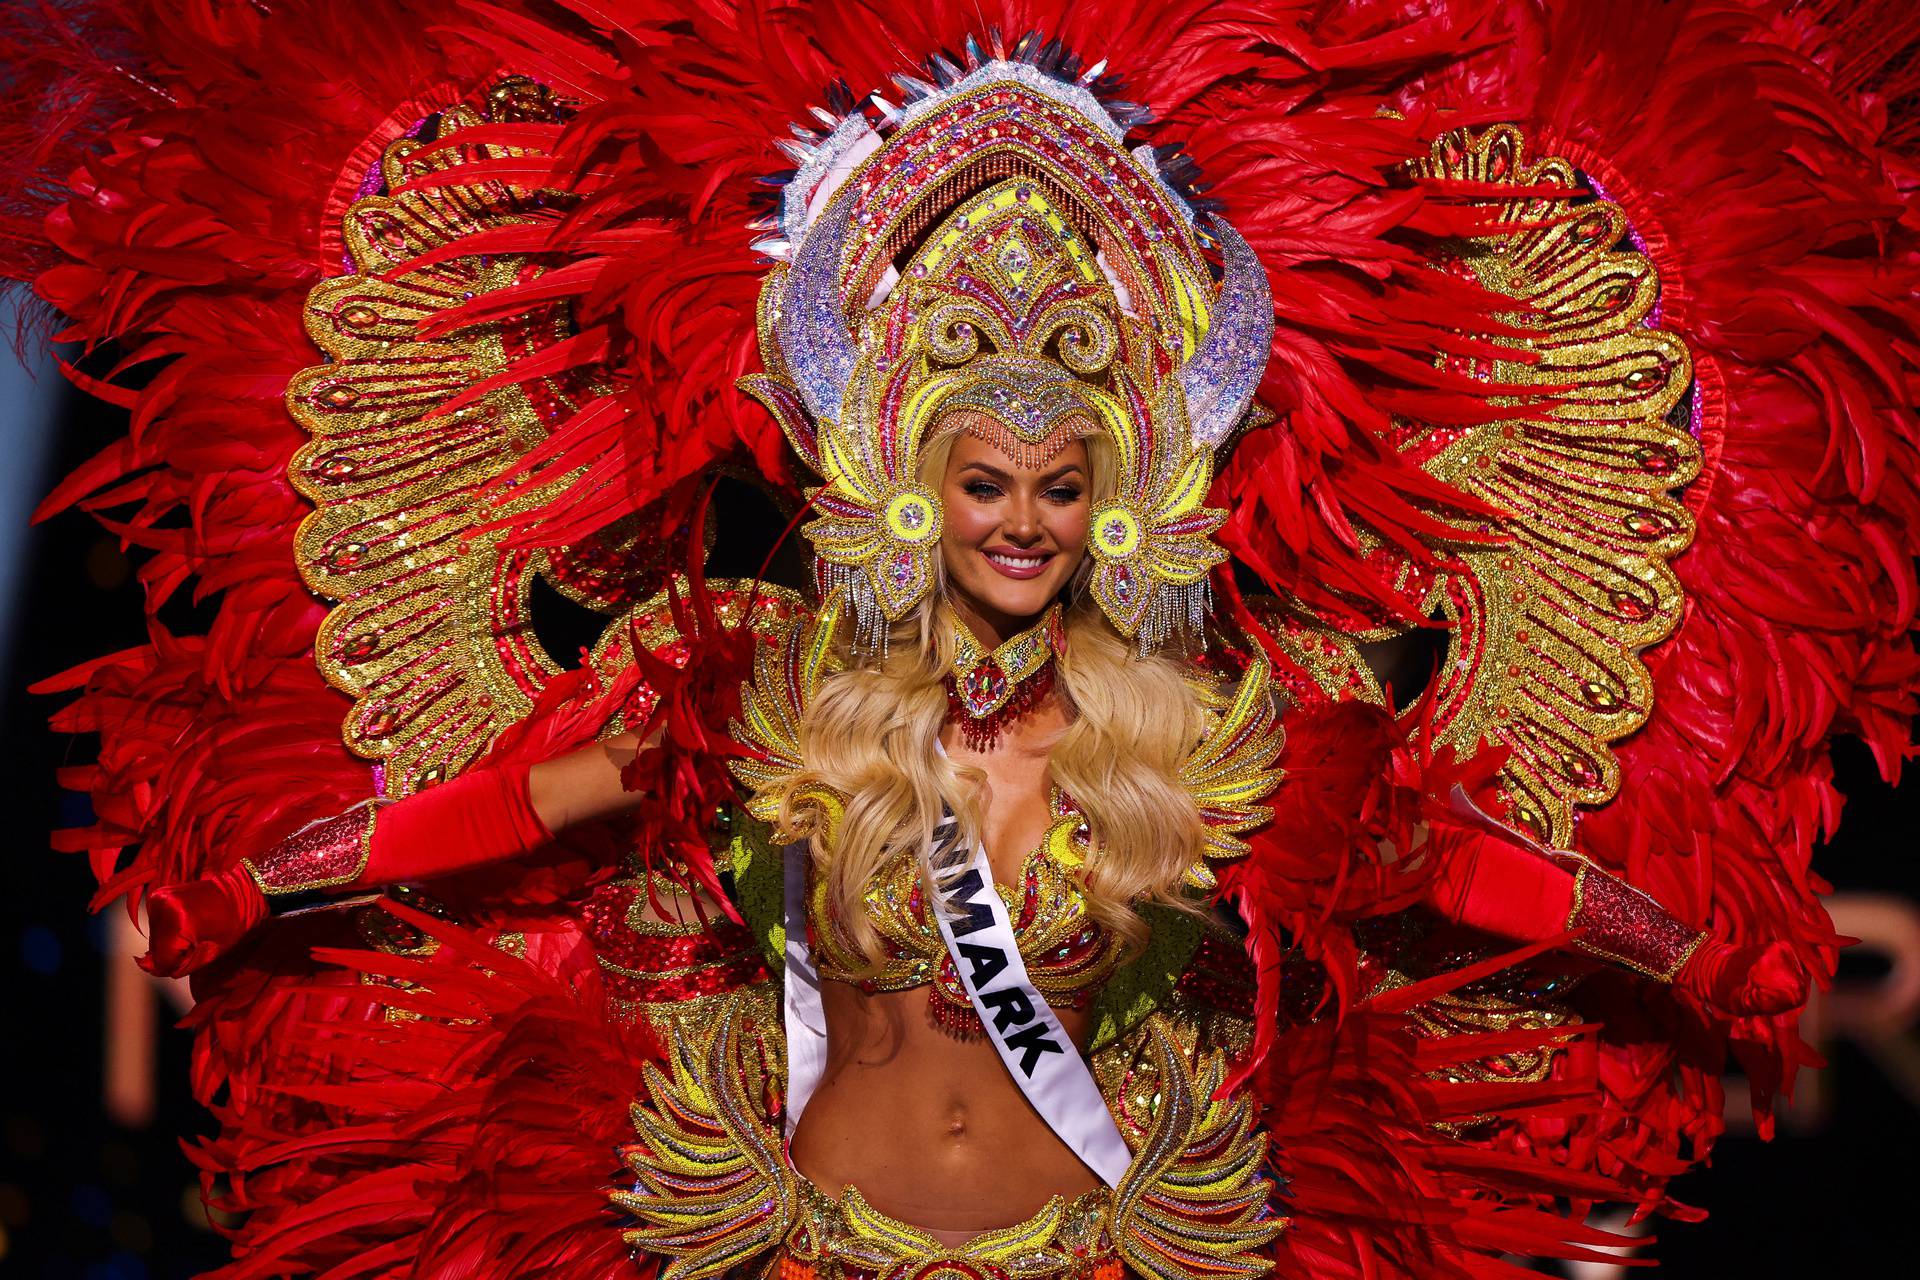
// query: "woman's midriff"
[[930, 1130]]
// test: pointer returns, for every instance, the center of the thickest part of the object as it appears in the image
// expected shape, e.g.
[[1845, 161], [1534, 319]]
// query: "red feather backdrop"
[[179, 173]]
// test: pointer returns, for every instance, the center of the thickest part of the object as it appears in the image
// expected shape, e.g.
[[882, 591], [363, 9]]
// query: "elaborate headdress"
[[993, 246]]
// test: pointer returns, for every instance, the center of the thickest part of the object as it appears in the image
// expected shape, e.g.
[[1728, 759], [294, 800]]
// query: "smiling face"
[[1012, 535]]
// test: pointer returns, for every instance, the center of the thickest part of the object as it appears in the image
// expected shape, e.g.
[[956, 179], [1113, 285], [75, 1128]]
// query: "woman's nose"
[[1023, 520]]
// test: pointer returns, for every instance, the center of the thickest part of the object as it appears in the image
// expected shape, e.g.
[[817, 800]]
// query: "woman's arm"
[[487, 815], [584, 786], [1488, 883]]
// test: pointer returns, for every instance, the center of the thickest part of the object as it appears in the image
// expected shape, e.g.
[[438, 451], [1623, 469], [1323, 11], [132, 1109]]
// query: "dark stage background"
[[93, 1183]]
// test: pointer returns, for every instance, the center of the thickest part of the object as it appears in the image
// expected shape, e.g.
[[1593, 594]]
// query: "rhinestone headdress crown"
[[993, 246]]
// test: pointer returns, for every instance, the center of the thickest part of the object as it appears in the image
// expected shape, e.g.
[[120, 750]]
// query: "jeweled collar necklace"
[[988, 691]]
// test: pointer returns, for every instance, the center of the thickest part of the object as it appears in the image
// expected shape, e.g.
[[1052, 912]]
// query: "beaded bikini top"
[[1067, 953]]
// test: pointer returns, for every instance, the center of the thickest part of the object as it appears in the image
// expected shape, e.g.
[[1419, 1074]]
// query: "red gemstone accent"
[[1532, 821], [1646, 524], [1629, 606], [980, 731], [388, 233], [347, 557], [1500, 158], [1656, 459], [1599, 696], [1647, 379]]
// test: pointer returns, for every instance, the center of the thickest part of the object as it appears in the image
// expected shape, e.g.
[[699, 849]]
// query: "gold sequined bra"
[[1068, 955]]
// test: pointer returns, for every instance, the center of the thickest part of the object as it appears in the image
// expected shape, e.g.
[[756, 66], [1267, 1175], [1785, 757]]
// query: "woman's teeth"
[[1021, 565]]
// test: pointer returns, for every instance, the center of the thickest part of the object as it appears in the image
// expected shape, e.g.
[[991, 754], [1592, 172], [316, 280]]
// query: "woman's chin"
[[1013, 598]]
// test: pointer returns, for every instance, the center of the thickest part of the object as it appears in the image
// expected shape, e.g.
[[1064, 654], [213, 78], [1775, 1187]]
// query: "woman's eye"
[[1063, 493], [982, 489]]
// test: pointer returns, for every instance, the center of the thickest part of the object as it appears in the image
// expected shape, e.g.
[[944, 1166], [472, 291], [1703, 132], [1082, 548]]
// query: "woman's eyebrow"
[[995, 473]]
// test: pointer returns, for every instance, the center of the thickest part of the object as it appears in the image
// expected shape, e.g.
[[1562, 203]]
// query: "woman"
[[956, 988], [997, 685]]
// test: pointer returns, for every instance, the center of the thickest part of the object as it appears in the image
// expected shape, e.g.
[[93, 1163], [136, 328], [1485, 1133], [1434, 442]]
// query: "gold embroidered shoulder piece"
[[786, 675], [1234, 767]]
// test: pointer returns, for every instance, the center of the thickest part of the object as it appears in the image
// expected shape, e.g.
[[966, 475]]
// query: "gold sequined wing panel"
[[1551, 620], [1195, 1204], [430, 633], [1557, 618], [711, 1190]]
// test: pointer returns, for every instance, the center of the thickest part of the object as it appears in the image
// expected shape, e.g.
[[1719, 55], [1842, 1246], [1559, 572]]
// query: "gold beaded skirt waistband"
[[848, 1239]]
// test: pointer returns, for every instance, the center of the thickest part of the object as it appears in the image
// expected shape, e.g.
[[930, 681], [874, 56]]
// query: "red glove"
[[483, 816], [1496, 886], [1750, 981], [189, 925], [1491, 884]]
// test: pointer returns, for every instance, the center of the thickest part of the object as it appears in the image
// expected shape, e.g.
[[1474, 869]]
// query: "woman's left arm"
[[1501, 887]]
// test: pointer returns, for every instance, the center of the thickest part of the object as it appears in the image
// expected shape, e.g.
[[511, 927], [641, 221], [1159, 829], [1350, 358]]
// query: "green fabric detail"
[[1144, 983], [1133, 993], [759, 885]]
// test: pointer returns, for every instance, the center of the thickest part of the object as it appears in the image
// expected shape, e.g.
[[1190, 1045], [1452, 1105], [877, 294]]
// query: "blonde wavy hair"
[[870, 736]]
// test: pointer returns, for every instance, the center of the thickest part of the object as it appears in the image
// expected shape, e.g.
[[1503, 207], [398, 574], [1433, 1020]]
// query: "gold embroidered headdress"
[[992, 246]]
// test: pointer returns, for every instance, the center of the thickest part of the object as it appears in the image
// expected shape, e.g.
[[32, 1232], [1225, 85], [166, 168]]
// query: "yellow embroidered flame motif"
[[786, 675], [713, 1190], [1194, 1204], [1152, 542], [1234, 768]]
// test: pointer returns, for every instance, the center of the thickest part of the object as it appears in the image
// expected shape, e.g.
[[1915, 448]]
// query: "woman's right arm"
[[487, 815], [585, 785]]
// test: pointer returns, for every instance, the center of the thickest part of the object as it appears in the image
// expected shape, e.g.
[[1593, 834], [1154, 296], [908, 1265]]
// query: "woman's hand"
[[190, 925], [1752, 981]]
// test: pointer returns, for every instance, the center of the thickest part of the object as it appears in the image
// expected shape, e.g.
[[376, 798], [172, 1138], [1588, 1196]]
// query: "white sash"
[[800, 1004], [1035, 1049]]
